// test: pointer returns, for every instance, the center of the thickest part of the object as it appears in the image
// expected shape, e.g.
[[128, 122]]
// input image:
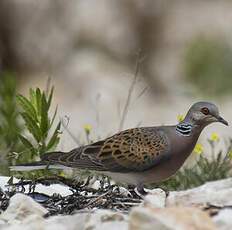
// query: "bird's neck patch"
[[184, 129]]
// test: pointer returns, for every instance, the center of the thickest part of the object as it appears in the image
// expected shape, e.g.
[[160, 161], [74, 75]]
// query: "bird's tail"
[[36, 166]]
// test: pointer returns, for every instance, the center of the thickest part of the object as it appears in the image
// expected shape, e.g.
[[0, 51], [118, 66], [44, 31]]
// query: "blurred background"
[[88, 48]]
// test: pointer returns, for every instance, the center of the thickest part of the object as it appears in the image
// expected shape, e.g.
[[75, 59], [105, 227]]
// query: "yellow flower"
[[198, 149], [230, 154], [62, 174], [87, 128], [180, 117], [214, 137]]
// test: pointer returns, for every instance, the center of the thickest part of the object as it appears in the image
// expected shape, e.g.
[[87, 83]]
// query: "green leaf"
[[27, 106], [27, 144], [44, 125], [54, 139], [32, 97], [38, 101], [32, 126], [54, 117], [50, 97], [54, 144]]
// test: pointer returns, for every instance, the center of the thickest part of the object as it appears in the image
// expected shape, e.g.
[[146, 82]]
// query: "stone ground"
[[24, 206]]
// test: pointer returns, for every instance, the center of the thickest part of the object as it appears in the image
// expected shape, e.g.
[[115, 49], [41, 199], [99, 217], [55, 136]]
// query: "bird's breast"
[[179, 150]]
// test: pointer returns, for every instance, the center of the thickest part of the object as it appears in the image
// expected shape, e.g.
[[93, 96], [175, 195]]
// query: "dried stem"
[[65, 126], [130, 92]]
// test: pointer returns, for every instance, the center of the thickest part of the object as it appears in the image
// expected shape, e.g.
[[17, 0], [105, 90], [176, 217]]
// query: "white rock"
[[176, 218], [53, 223], [99, 220], [53, 188], [224, 219], [3, 182], [96, 185], [63, 190], [20, 208], [156, 198], [217, 193], [106, 220], [73, 222], [32, 222]]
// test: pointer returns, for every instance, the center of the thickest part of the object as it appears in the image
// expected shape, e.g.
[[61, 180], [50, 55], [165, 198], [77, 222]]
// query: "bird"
[[137, 156]]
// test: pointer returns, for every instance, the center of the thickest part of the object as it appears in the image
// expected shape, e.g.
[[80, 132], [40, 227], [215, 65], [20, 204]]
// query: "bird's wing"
[[131, 150], [73, 159]]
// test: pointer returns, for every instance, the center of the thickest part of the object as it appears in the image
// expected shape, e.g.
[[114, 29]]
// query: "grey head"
[[202, 114]]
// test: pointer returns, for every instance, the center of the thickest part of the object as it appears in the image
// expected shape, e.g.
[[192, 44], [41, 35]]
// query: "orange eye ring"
[[205, 111]]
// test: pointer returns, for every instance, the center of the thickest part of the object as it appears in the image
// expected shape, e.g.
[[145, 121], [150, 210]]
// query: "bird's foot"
[[140, 191]]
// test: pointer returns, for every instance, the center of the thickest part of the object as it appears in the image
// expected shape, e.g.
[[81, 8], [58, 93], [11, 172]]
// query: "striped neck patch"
[[184, 129]]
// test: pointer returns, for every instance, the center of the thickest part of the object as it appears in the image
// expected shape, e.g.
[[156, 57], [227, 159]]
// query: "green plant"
[[208, 65], [9, 121], [35, 114]]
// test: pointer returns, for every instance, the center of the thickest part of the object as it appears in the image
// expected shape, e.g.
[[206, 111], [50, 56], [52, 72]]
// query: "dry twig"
[[130, 92]]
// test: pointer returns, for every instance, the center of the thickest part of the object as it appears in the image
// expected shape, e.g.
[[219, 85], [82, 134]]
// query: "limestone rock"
[[73, 222], [106, 219], [216, 193], [52, 223], [63, 190], [156, 199], [223, 220], [100, 219], [20, 208], [172, 218]]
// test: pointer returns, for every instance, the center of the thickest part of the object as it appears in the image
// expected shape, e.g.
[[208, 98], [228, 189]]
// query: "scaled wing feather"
[[131, 150]]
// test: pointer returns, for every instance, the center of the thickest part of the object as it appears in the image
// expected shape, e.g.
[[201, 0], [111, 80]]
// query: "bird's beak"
[[222, 120]]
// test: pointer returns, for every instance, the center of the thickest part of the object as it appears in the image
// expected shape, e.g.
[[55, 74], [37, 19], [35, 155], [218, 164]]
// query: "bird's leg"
[[140, 190], [166, 191]]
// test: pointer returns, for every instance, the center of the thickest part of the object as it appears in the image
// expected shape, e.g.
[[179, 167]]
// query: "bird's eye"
[[205, 111]]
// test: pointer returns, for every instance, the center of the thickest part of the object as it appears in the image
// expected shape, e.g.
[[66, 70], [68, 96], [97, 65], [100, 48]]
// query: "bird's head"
[[203, 114]]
